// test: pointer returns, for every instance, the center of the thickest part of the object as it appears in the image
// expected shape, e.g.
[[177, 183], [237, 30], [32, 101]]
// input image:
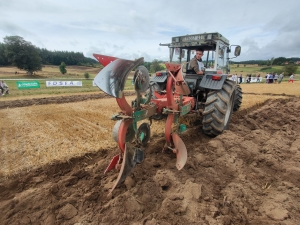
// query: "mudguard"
[[112, 78], [208, 83]]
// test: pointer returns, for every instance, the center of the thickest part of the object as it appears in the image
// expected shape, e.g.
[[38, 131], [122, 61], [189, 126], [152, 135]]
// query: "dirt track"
[[247, 175], [54, 100]]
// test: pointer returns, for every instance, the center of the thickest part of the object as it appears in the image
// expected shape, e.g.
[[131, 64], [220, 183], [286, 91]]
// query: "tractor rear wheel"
[[238, 98], [218, 109]]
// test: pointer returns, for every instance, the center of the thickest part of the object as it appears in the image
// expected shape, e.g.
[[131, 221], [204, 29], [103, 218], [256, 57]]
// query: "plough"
[[175, 92], [111, 79]]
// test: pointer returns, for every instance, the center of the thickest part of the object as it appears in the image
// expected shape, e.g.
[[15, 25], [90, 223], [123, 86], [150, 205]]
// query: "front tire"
[[218, 109]]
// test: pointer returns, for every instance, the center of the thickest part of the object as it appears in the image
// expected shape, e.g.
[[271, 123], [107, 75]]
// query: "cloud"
[[11, 29], [128, 28]]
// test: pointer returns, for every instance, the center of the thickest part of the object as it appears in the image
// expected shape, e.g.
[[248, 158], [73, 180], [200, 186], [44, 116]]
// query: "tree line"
[[69, 58], [280, 61], [15, 51]]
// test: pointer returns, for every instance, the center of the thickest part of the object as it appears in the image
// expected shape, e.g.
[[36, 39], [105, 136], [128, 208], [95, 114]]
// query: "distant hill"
[[273, 61]]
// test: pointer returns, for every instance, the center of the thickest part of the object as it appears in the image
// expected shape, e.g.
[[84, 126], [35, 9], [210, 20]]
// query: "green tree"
[[290, 68], [279, 61], [155, 66], [147, 65], [86, 75], [272, 61], [22, 54], [62, 68], [244, 65], [3, 58]]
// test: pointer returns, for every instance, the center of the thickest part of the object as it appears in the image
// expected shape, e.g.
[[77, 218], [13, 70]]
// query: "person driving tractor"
[[196, 63]]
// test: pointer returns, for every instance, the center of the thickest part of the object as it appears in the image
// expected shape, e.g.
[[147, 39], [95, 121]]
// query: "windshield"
[[212, 60], [221, 57], [176, 56], [215, 57]]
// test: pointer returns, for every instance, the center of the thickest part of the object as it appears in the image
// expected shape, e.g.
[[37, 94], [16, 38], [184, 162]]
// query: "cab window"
[[221, 57], [207, 61]]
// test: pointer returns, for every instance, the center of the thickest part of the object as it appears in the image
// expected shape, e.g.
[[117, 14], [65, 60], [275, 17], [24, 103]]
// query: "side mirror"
[[237, 51]]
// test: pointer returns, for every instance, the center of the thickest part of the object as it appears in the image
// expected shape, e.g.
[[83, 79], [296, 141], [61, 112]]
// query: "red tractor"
[[175, 92]]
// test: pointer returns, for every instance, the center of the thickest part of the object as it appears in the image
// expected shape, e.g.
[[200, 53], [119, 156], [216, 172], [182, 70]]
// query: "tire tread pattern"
[[216, 109], [238, 98]]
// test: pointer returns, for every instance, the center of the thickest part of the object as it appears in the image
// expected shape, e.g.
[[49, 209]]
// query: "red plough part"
[[111, 79]]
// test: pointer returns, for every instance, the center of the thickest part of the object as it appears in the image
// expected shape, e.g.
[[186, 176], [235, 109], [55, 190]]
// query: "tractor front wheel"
[[218, 109]]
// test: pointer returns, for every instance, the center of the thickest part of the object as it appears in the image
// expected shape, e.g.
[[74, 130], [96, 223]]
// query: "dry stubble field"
[[39, 134], [59, 152]]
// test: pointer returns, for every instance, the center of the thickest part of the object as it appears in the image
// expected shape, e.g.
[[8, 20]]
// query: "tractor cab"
[[216, 51], [215, 59]]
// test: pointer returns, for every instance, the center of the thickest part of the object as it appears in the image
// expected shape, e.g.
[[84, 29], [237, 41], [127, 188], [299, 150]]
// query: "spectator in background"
[[270, 78], [291, 79], [258, 78], [240, 79], [275, 78], [233, 78], [280, 77], [247, 79]]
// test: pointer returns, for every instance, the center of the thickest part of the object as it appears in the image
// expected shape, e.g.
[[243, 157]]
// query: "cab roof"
[[197, 40]]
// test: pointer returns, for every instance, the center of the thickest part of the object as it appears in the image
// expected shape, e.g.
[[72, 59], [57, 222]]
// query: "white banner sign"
[[63, 83]]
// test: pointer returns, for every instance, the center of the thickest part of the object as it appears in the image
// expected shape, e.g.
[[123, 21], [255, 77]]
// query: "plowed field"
[[53, 157]]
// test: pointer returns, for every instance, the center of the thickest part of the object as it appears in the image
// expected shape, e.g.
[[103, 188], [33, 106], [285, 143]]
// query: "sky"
[[131, 29]]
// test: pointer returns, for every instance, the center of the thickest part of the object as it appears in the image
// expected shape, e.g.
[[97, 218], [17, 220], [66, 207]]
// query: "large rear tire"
[[238, 98], [218, 109]]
